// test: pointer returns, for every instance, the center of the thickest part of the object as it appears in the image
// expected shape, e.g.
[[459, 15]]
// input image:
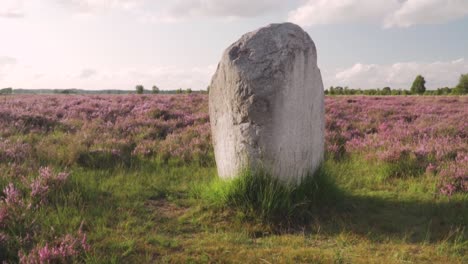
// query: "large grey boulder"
[[267, 105]]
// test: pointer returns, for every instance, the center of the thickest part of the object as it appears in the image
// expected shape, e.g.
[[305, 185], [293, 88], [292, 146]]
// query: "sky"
[[117, 44]]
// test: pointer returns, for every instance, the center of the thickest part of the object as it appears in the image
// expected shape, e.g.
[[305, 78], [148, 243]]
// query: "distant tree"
[[139, 89], [419, 85], [386, 91], [371, 92], [430, 92], [339, 90], [444, 91], [6, 91], [346, 90], [462, 87], [155, 89], [189, 91], [396, 92], [208, 89], [353, 91], [179, 91]]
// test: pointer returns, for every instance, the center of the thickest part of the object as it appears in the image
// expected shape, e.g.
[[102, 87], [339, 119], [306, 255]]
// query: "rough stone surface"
[[267, 104]]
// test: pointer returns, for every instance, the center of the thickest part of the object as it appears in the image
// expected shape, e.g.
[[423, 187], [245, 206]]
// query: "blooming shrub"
[[47, 181], [455, 176], [61, 251], [19, 227], [14, 151]]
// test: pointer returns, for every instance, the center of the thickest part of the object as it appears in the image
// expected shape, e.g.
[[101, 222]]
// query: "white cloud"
[[4, 60], [165, 77], [398, 75], [180, 10], [176, 10], [87, 73], [390, 13], [92, 6], [365, 76], [239, 8], [317, 12], [6, 63], [413, 12], [11, 8]]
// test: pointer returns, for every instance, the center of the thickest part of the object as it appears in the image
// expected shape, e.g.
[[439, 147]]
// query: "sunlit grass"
[[260, 196], [351, 211]]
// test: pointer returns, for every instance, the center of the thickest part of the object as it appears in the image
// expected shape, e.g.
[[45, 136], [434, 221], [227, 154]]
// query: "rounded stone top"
[[269, 46]]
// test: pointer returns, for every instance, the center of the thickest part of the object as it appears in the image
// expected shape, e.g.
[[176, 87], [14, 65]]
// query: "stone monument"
[[267, 105]]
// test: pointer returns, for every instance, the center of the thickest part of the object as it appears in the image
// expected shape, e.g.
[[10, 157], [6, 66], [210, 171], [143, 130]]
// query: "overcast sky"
[[116, 44]]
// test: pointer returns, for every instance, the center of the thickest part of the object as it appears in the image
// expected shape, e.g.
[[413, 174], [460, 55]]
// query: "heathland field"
[[132, 179]]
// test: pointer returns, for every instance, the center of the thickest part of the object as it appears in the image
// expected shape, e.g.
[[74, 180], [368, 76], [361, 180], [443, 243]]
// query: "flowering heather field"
[[115, 126], [417, 134], [428, 134], [46, 140], [39, 132]]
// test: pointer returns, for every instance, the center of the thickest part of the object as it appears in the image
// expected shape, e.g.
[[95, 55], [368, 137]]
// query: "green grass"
[[258, 196], [352, 211]]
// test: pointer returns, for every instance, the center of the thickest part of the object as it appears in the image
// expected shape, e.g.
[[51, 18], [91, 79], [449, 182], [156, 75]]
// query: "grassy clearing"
[[352, 211]]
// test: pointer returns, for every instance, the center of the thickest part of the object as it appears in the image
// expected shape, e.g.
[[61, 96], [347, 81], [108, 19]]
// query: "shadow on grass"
[[319, 206], [380, 219]]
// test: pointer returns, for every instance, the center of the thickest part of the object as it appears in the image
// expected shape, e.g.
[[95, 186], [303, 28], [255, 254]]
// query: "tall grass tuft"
[[259, 196]]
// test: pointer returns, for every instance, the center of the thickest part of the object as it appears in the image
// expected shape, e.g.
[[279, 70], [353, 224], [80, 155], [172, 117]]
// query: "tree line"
[[140, 89], [417, 88], [8, 91]]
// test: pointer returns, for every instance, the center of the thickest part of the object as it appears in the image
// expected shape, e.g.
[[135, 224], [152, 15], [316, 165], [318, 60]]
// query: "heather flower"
[[45, 173], [45, 182], [455, 176], [62, 250], [448, 189], [39, 189], [333, 148], [116, 152], [3, 214], [431, 168], [62, 177], [3, 238], [12, 195]]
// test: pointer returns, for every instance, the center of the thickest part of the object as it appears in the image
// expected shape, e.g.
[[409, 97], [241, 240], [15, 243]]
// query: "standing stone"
[[267, 105]]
